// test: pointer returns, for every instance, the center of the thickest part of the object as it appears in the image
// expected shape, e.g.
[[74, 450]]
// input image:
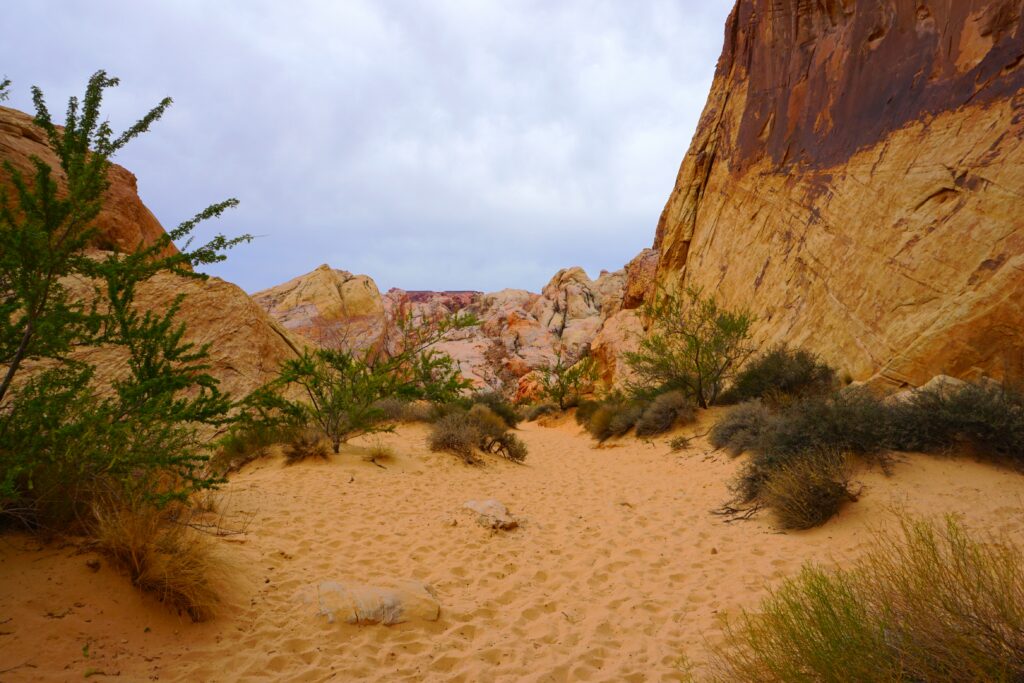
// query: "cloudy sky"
[[449, 144]]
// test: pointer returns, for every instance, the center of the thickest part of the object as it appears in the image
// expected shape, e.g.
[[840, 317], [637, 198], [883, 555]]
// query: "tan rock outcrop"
[[619, 335], [328, 306], [856, 181]]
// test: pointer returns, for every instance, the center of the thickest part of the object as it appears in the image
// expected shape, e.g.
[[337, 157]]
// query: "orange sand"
[[617, 570]]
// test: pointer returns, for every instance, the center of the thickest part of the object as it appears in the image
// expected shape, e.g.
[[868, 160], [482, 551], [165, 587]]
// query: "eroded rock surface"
[[388, 603], [856, 180]]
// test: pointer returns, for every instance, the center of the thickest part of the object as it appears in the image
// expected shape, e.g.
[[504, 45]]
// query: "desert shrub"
[[614, 417], [480, 428], [498, 405], [807, 490], [781, 372], [694, 346], [931, 604], [740, 429], [245, 442], [989, 417], [679, 443], [161, 554], [455, 434], [537, 409], [585, 410], [664, 412], [852, 421], [305, 444], [379, 452]]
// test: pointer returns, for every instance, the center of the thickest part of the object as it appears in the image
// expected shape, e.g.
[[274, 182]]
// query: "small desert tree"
[[61, 437], [694, 346], [342, 388], [566, 379], [4, 85]]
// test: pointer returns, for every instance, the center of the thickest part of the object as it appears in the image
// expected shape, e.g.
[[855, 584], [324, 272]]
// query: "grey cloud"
[[449, 144]]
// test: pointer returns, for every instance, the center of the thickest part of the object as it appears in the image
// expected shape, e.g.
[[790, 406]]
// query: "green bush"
[[664, 412], [694, 346], [807, 490], [567, 379], [740, 429], [781, 372], [246, 442], [933, 604]]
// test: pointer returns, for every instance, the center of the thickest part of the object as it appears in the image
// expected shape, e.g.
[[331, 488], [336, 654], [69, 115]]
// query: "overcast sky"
[[448, 144]]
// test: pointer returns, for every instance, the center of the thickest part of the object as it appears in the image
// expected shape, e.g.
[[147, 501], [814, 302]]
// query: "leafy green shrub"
[[499, 406], [934, 604], [537, 409], [63, 439], [740, 429], [807, 490], [664, 412], [305, 444], [781, 372], [694, 346], [567, 379]]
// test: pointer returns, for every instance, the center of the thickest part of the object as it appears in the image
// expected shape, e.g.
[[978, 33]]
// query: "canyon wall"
[[857, 181]]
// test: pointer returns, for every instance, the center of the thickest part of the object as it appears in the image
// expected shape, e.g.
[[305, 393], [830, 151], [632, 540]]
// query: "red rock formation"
[[856, 179]]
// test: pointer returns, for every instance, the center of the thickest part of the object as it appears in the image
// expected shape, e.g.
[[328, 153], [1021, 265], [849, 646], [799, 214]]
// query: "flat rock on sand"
[[492, 514], [395, 602]]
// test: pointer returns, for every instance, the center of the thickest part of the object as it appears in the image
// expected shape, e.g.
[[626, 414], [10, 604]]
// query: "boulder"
[[492, 514], [388, 603]]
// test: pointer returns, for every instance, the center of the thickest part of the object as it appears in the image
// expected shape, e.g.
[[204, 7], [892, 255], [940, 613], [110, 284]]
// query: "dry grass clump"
[[499, 406], [806, 491], [679, 443], [932, 604], [161, 554], [304, 444], [664, 412]]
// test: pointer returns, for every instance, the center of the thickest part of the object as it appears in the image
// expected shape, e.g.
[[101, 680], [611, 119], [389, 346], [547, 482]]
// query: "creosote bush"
[[665, 412], [933, 603], [781, 373]]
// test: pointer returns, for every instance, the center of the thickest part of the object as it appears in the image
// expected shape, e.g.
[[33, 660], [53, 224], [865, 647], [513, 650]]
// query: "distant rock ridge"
[[518, 331], [856, 180]]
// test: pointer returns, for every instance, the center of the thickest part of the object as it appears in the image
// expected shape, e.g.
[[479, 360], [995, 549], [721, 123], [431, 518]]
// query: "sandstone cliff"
[[857, 180], [247, 346]]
